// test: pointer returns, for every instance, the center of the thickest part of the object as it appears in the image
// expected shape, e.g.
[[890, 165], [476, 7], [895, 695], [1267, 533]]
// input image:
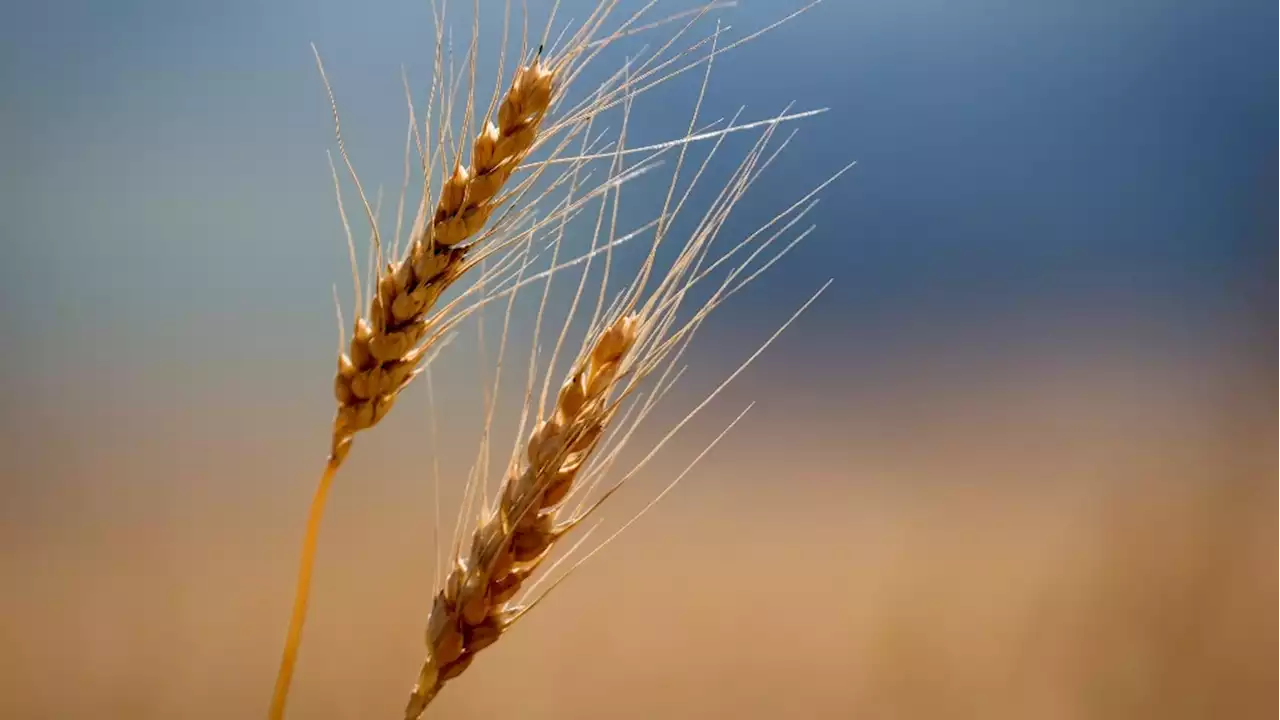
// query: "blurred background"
[[1016, 462]]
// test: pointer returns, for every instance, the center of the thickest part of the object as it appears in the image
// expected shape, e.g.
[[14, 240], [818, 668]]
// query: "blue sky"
[[1045, 166]]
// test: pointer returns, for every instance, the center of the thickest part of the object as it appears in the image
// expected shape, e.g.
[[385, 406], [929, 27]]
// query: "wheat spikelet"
[[473, 608], [386, 349]]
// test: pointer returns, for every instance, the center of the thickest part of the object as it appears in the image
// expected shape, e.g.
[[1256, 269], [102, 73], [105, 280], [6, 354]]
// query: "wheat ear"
[[386, 348], [513, 538]]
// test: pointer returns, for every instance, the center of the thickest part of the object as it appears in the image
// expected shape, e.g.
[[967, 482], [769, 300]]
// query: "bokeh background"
[[1015, 463]]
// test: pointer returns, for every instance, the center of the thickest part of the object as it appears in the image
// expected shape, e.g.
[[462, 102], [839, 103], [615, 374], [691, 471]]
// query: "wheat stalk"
[[386, 349]]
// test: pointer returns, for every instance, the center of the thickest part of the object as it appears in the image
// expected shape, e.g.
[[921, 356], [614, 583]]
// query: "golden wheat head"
[[387, 347], [473, 609]]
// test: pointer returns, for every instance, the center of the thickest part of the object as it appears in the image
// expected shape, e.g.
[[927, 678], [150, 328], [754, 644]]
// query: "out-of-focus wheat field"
[[1016, 463]]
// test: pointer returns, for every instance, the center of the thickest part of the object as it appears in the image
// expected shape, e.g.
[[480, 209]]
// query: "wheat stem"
[[299, 615]]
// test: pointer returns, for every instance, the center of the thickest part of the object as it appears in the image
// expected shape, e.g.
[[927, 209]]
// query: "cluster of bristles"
[[387, 347], [475, 604]]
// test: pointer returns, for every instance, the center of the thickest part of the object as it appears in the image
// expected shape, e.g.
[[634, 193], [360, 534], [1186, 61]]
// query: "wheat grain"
[[387, 347], [473, 609]]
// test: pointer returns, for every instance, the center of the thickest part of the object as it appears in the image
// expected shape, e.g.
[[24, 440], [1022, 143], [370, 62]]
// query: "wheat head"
[[473, 608], [386, 348]]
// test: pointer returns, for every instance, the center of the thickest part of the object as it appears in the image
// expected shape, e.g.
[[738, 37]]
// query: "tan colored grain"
[[475, 604], [387, 347]]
